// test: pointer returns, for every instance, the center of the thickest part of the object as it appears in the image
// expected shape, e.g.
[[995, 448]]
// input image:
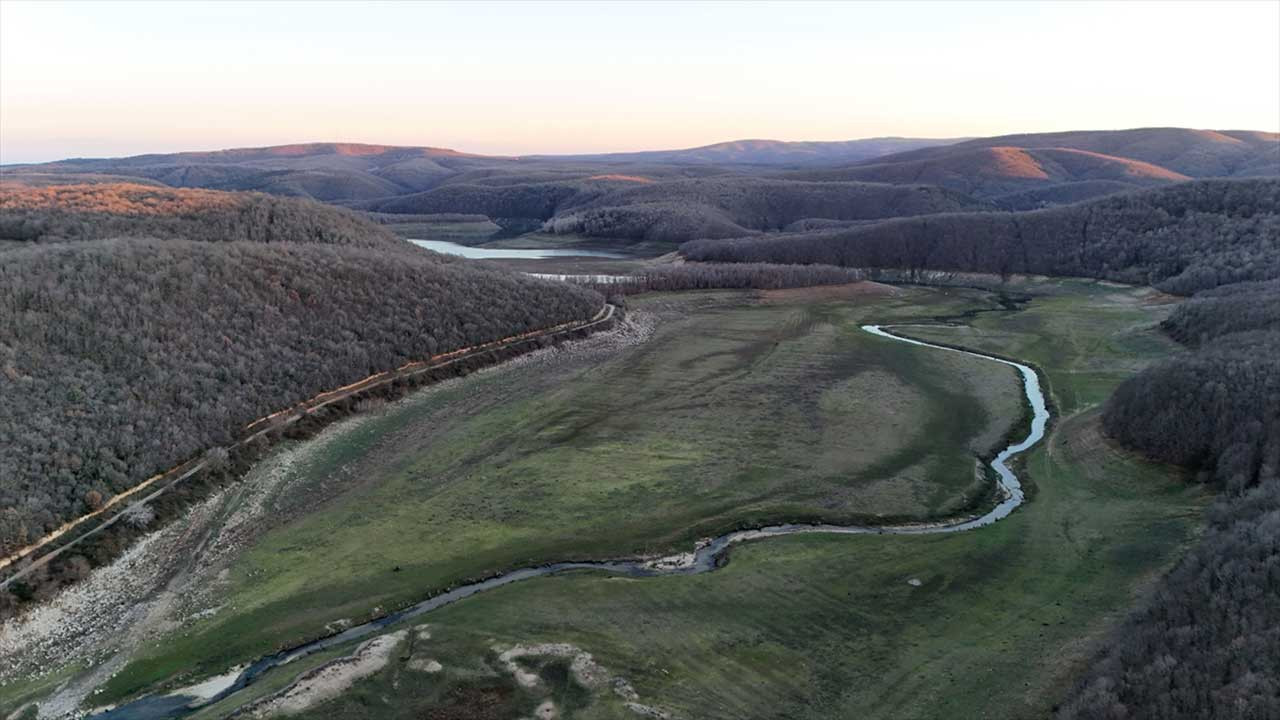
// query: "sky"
[[102, 79]]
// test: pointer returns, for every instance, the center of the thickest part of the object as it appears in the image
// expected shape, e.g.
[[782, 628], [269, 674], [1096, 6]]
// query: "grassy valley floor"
[[737, 409]]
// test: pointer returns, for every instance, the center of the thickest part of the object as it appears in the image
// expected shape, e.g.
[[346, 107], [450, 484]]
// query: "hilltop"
[[677, 210], [663, 195], [1023, 171], [766, 152], [89, 212]]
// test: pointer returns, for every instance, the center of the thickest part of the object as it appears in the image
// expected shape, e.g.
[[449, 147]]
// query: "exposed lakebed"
[[480, 253], [706, 557]]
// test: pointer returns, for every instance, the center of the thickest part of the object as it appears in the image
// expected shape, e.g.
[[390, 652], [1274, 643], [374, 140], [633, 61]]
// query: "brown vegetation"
[[88, 212], [991, 172]]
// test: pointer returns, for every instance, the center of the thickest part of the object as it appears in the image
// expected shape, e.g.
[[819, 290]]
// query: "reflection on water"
[[442, 246]]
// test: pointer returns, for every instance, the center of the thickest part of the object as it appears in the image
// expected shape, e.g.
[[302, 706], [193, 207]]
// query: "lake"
[[442, 246]]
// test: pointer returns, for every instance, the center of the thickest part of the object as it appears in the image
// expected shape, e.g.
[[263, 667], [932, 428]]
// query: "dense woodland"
[[1206, 644], [122, 357], [1225, 310], [630, 208], [1181, 239], [89, 212]]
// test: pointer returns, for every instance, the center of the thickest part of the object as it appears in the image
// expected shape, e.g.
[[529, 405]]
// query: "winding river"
[[706, 557]]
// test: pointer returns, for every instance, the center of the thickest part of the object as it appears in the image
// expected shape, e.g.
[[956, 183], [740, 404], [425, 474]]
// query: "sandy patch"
[[426, 665], [648, 711], [679, 560], [166, 581], [585, 671], [210, 688], [329, 680]]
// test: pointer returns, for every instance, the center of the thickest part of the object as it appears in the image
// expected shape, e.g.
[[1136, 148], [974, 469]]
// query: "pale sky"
[[101, 79]]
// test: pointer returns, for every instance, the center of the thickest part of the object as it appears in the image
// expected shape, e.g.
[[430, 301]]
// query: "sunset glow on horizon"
[[111, 79]]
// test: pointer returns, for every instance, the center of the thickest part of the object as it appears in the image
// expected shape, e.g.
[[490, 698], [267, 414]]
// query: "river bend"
[[706, 557]]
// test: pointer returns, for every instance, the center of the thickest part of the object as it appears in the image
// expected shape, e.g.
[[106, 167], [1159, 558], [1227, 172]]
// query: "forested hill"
[[1206, 644], [1036, 169], [717, 191], [1181, 238], [122, 357], [87, 212], [1185, 151], [675, 210], [765, 152]]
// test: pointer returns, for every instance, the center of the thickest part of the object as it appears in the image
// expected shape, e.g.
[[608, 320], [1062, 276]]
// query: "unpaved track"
[[172, 577], [283, 418]]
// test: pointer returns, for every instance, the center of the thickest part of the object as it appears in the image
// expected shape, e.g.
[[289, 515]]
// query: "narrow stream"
[[705, 558]]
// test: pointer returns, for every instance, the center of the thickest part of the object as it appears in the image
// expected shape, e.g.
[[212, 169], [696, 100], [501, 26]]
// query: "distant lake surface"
[[475, 253]]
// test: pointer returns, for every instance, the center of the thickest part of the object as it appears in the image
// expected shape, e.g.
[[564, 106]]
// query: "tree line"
[[676, 210], [1181, 239], [719, 276]]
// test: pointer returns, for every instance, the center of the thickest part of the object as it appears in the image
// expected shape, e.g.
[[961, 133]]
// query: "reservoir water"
[[475, 253]]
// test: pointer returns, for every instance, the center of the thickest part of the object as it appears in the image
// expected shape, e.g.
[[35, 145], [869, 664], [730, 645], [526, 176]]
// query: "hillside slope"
[[766, 152], [120, 357], [1182, 238], [1024, 171], [994, 171], [323, 171], [631, 208], [729, 206], [89, 212], [1194, 153], [1217, 410]]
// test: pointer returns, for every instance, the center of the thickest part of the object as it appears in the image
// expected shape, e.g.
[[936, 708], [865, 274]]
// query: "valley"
[[636, 443], [492, 360]]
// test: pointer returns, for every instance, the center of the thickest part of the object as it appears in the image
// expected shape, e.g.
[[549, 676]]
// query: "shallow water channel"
[[477, 253], [705, 558]]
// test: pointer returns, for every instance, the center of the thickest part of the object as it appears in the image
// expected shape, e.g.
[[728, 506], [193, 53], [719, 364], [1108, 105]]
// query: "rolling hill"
[[89, 212], [766, 152], [323, 171], [631, 208], [999, 170], [667, 195], [1181, 238], [1047, 168]]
